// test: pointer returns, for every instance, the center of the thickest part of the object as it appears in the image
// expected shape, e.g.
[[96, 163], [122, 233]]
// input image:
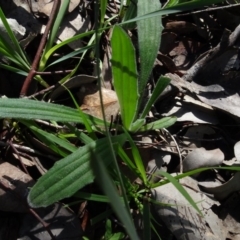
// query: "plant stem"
[[36, 60]]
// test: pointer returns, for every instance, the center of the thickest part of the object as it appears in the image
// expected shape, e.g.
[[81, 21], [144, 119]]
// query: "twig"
[[19, 157], [42, 92], [53, 72], [177, 147], [28, 150], [36, 60]]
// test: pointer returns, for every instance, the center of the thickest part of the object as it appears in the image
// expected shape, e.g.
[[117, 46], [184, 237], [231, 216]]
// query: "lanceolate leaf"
[[31, 109], [162, 123], [124, 74], [149, 37], [70, 174]]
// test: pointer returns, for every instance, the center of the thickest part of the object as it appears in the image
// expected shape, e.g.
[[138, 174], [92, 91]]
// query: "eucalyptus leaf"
[[70, 174]]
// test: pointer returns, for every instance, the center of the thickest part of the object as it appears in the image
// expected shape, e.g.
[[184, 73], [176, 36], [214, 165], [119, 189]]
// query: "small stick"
[[53, 72], [42, 92], [36, 60], [19, 157]]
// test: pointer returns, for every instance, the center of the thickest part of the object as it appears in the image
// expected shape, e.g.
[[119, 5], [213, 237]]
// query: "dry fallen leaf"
[[18, 183], [63, 223], [89, 100], [181, 219], [201, 157]]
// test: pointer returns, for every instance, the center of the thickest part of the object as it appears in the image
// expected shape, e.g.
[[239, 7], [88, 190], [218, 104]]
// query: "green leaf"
[[116, 202], [103, 7], [130, 13], [149, 38], [70, 55], [17, 47], [160, 86], [31, 109], [135, 126], [137, 159], [13, 69], [55, 28], [162, 123], [91, 197], [122, 154], [47, 55], [125, 75], [172, 3], [70, 174], [50, 139]]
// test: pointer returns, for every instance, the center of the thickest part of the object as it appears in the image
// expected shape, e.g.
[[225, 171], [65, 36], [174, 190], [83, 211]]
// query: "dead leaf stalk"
[[42, 44]]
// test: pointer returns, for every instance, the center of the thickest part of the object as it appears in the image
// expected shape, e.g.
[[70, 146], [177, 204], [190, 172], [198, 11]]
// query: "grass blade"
[[180, 188], [137, 159], [160, 86], [103, 7], [116, 202], [125, 75], [57, 22], [12, 37], [174, 9], [70, 55], [13, 69], [50, 139]]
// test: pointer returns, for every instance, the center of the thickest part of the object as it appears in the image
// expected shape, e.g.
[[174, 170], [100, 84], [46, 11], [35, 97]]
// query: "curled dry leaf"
[[18, 183], [223, 191]]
